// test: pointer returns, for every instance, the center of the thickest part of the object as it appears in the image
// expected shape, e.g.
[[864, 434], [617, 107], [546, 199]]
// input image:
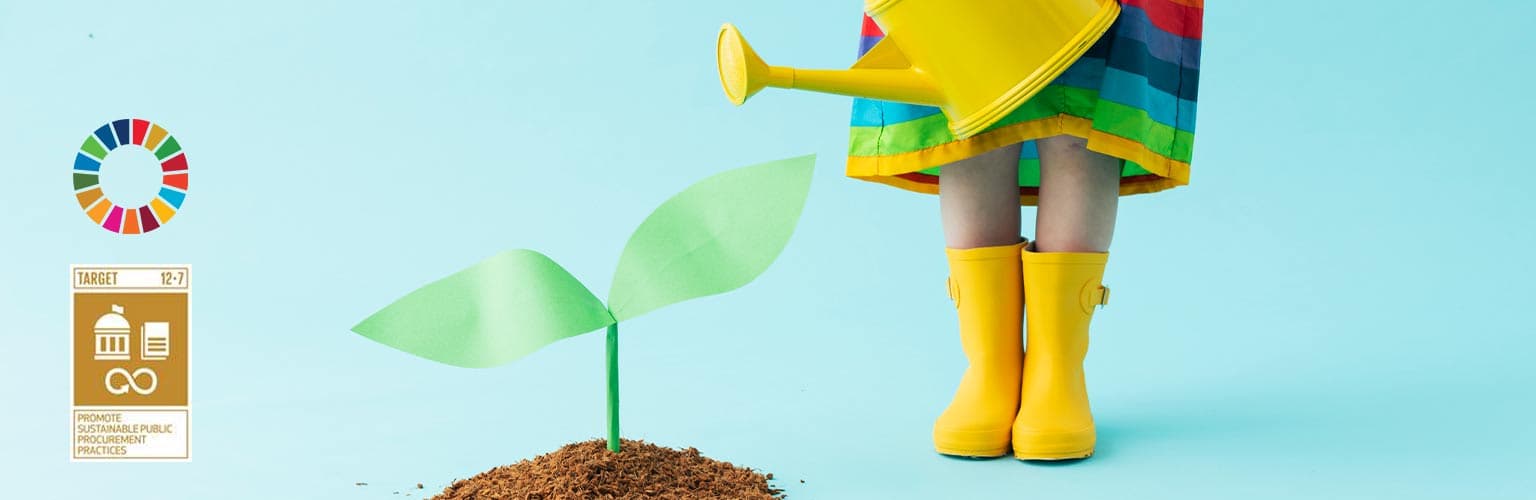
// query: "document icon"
[[157, 340]]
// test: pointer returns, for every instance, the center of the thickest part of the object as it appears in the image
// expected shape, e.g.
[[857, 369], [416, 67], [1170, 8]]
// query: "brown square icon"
[[130, 349]]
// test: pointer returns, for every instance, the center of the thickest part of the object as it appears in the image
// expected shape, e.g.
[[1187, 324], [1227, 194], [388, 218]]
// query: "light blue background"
[[1337, 307]]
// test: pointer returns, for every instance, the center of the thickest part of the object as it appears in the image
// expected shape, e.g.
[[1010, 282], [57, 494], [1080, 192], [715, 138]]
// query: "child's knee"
[[1063, 142]]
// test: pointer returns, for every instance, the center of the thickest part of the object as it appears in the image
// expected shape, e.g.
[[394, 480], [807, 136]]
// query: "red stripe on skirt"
[[870, 28], [1181, 20], [1168, 15]]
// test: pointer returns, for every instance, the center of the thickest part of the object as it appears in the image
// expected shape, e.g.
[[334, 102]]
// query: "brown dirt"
[[588, 470]]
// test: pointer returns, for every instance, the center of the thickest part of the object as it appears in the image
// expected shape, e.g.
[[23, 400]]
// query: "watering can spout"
[[977, 60], [881, 74]]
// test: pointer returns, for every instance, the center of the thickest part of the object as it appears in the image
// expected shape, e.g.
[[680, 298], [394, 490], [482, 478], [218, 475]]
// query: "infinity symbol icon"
[[131, 381]]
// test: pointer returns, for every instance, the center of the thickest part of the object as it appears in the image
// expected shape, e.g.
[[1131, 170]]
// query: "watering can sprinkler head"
[[742, 71], [977, 60]]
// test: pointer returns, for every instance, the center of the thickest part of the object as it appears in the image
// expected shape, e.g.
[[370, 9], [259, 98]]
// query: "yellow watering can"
[[977, 60]]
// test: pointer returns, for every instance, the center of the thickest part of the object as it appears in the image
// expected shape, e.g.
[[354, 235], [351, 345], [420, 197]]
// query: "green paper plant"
[[713, 237]]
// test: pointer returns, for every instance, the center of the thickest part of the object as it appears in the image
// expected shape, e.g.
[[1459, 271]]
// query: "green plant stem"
[[613, 387]]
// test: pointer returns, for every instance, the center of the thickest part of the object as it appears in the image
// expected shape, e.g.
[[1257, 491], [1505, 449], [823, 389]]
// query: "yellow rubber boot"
[[986, 287], [1054, 422]]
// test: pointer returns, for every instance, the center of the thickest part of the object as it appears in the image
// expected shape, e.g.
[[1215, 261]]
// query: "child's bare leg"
[[1079, 193], [979, 199]]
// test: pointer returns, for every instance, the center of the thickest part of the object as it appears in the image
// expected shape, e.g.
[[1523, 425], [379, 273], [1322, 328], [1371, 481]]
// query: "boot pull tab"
[[1094, 294], [954, 291]]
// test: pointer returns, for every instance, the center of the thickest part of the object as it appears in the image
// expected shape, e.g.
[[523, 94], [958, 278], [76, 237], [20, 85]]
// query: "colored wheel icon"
[[98, 205]]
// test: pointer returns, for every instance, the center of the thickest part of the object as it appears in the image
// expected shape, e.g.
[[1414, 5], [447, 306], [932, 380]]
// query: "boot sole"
[[971, 443], [1053, 445], [1052, 457], [994, 453]]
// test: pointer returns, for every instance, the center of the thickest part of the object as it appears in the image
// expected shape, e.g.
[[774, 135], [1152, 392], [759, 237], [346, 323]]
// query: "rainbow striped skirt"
[[1131, 96]]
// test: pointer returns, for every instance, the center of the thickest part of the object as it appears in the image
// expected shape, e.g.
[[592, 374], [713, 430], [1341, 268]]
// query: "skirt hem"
[[903, 170]]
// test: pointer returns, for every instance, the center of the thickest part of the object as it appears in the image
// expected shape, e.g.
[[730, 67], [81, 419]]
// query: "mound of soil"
[[588, 470]]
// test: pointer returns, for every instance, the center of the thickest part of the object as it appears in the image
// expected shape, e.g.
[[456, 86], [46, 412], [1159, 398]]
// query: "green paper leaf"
[[493, 312], [713, 237]]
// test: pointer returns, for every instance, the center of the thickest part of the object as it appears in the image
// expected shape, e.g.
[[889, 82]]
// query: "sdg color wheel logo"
[[118, 136]]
